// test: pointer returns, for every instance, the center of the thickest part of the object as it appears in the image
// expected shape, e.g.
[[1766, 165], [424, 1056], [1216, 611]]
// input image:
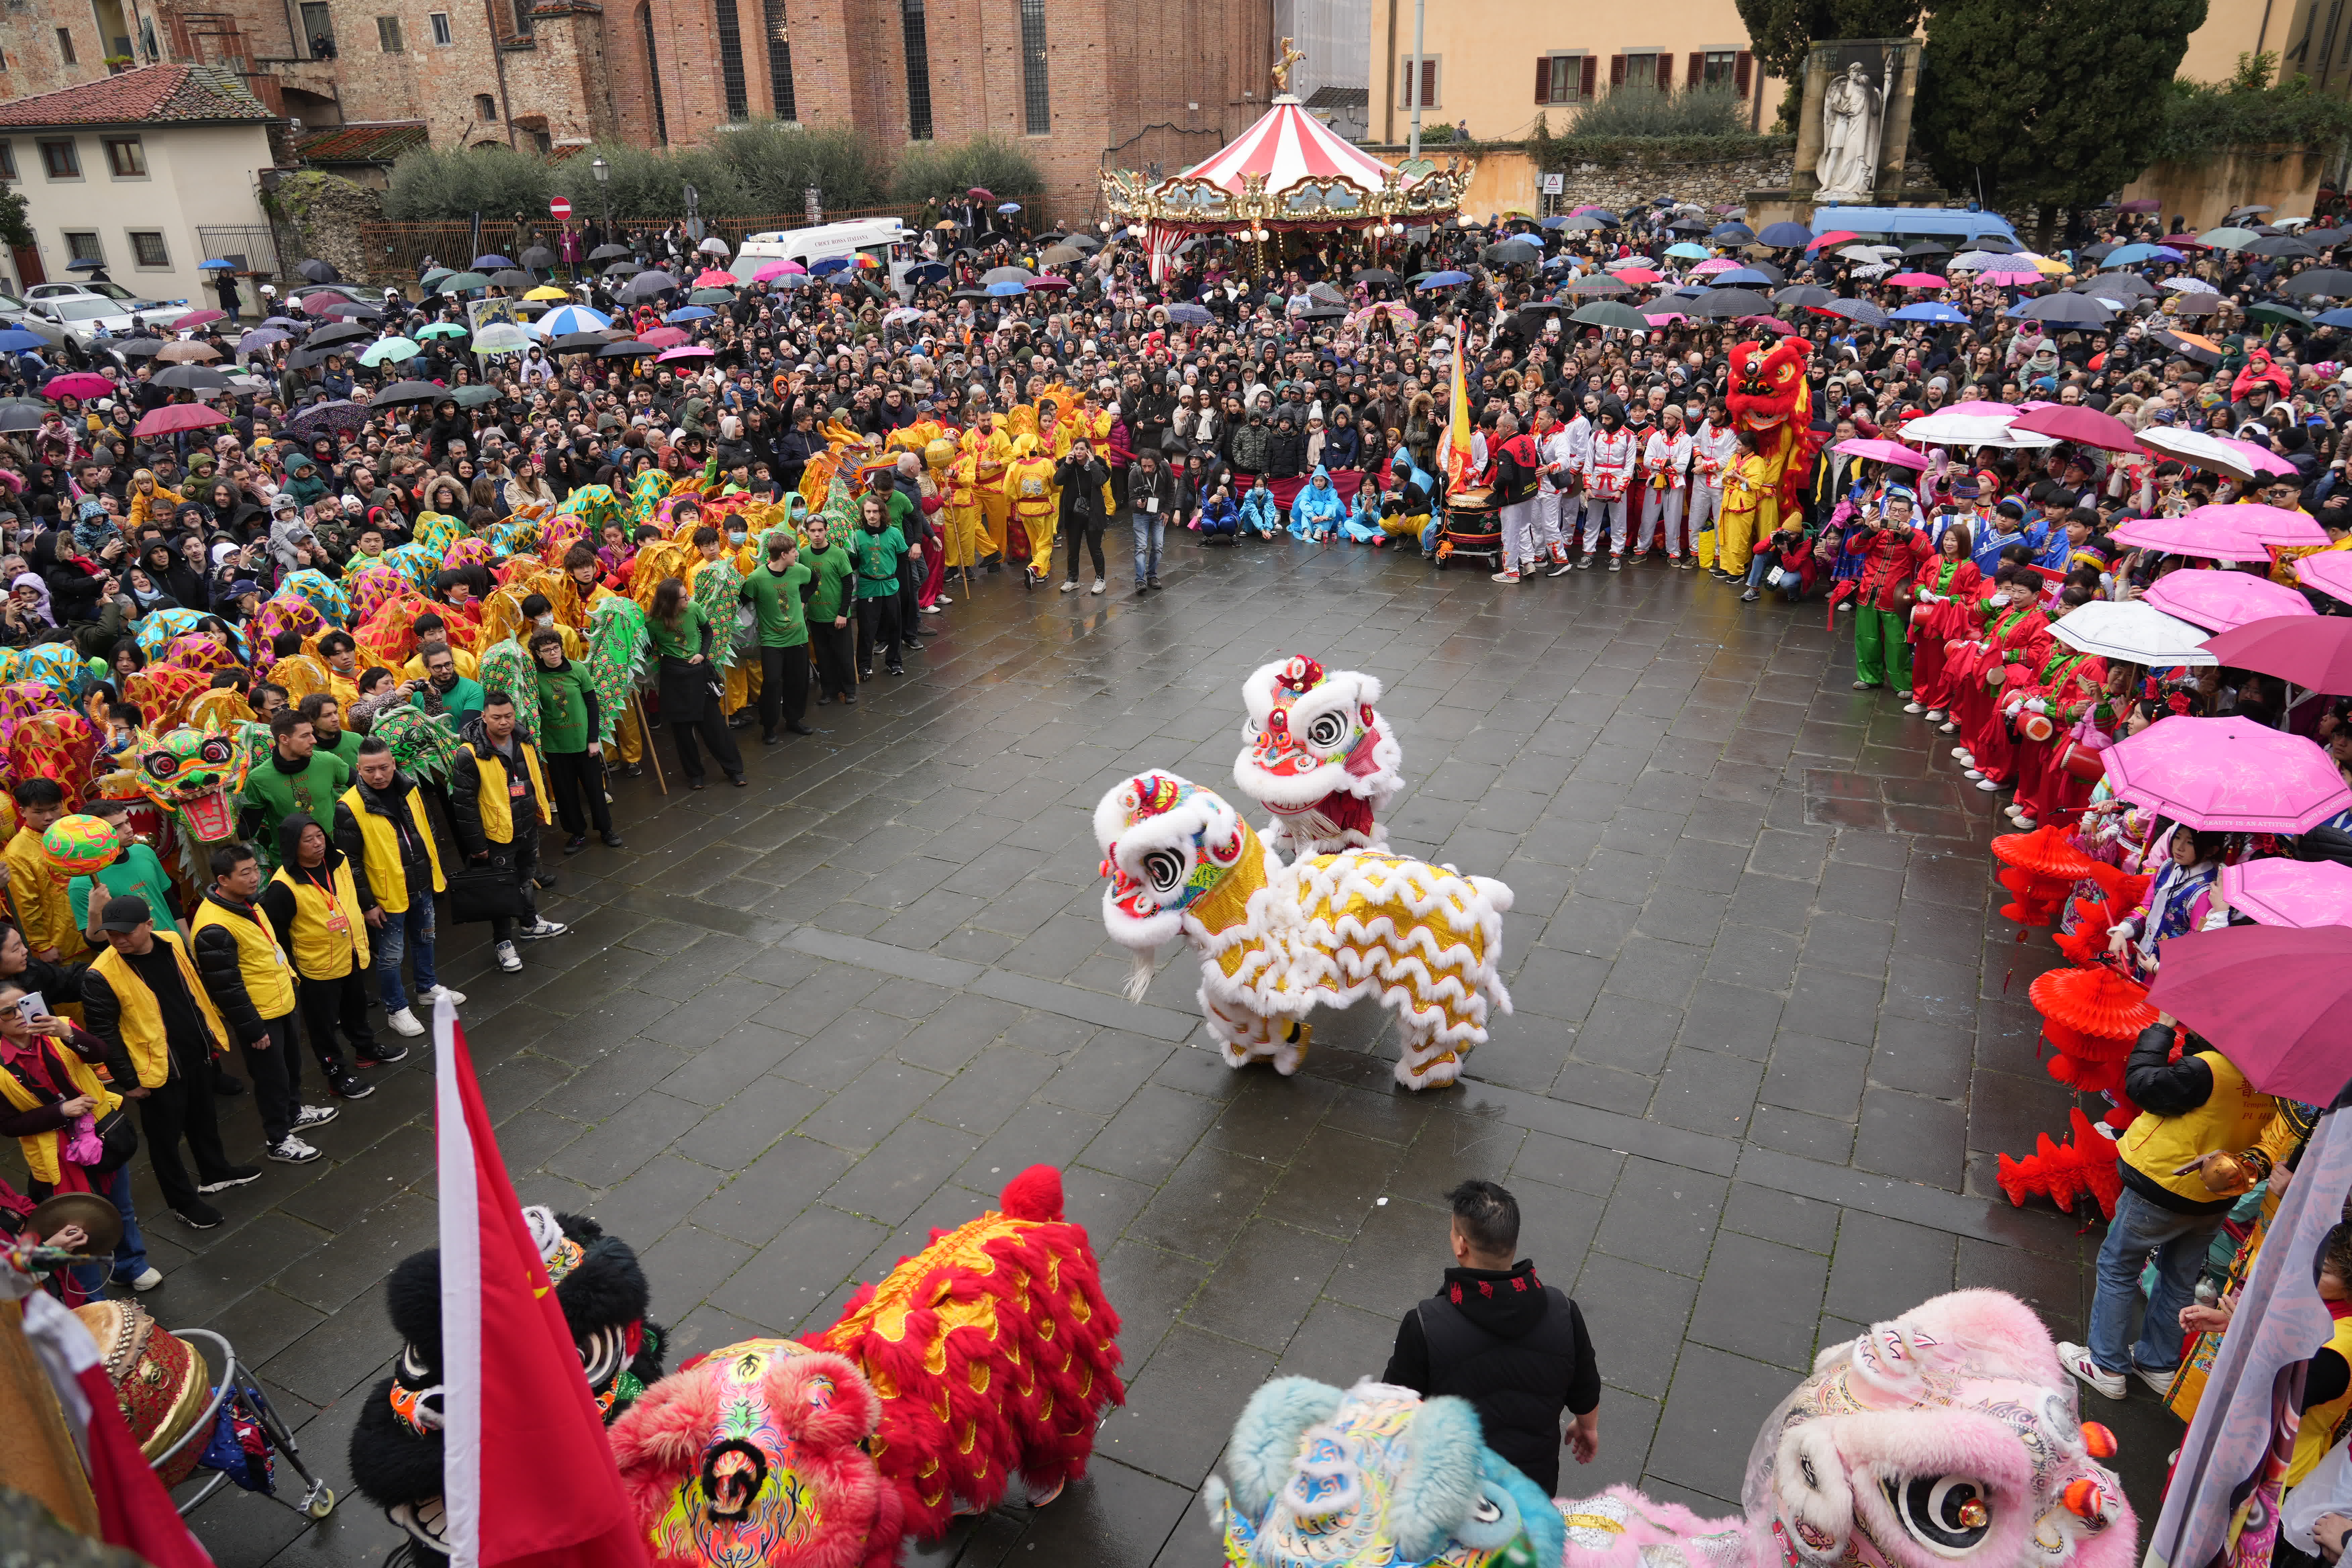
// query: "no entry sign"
[[559, 208]]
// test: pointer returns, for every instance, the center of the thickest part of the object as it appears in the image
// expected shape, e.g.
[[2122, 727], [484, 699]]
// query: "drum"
[[2081, 762], [2035, 727], [1474, 526], [159, 1381]]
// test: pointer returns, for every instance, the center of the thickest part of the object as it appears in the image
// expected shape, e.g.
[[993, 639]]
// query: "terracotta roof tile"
[[155, 95]]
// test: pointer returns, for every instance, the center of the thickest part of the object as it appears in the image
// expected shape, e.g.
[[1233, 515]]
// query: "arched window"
[[730, 59], [653, 72]]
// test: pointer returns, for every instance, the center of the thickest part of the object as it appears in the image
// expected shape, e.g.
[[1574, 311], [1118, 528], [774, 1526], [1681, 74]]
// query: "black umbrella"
[[1321, 312], [1375, 275], [627, 348], [1766, 267], [2324, 237], [622, 269], [1728, 303], [1687, 226], [1599, 283], [1511, 253], [2283, 244], [610, 253], [2196, 304], [646, 285], [343, 333], [538, 257], [1083, 242], [2332, 281], [969, 294], [1803, 294], [319, 272], [1927, 248], [305, 358], [192, 377], [13, 419], [132, 348], [579, 343], [1862, 313], [403, 392], [514, 279]]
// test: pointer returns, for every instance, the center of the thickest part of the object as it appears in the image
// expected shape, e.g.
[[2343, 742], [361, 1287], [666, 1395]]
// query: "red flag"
[[527, 1476]]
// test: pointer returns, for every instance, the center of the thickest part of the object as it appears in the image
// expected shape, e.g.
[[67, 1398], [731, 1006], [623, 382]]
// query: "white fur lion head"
[[1313, 732], [1165, 842]]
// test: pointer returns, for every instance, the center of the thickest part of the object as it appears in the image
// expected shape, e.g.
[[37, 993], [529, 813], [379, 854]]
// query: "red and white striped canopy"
[[1287, 145]]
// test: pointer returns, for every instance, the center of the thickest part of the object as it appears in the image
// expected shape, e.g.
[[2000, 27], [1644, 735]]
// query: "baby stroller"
[[238, 1439]]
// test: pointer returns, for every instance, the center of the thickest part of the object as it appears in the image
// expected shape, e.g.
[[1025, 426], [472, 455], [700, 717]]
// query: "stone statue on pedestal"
[[1852, 111]]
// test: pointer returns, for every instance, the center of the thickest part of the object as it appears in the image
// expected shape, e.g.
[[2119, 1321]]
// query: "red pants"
[[2048, 792], [1985, 731], [1927, 661], [935, 574]]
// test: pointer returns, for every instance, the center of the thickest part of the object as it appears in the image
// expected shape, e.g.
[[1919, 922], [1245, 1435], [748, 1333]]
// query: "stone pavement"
[[1769, 1033]]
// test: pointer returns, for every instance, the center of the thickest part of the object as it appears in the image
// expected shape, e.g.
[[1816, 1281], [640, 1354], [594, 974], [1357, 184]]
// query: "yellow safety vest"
[[329, 934], [268, 983], [2323, 1423], [2231, 1118], [381, 847], [142, 1017], [42, 1156], [493, 801]]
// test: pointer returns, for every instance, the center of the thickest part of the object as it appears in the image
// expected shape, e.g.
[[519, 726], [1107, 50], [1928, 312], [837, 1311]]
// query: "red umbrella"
[[980, 193], [663, 337], [1048, 284], [174, 416], [196, 318], [2313, 652], [1834, 237], [2084, 427], [2269, 999]]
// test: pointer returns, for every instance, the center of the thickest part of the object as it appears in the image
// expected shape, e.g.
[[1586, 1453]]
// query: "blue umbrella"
[[1933, 312], [1786, 236], [483, 263], [1441, 280], [1008, 288], [215, 265], [688, 314], [1743, 275], [1555, 222], [2336, 318], [1191, 315], [1008, 206], [16, 340], [830, 265], [1688, 251], [930, 272], [261, 337], [2132, 255], [565, 320]]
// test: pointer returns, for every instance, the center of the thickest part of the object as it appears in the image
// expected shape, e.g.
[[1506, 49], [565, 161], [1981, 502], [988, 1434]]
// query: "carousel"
[[1288, 174]]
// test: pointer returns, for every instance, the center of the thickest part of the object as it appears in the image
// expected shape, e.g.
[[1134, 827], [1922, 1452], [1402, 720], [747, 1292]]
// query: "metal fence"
[[397, 250], [255, 242]]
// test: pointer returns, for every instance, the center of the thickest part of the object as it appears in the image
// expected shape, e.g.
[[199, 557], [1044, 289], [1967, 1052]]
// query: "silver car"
[[88, 318]]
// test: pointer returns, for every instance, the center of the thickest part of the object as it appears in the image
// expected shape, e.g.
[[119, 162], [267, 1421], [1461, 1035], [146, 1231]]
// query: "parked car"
[[89, 317]]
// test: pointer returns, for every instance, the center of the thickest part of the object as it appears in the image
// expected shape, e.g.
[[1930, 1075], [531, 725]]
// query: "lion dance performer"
[[1771, 405], [1317, 753]]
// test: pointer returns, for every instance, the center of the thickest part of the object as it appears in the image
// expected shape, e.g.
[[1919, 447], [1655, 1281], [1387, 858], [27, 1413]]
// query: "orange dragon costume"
[[1770, 398], [990, 1352]]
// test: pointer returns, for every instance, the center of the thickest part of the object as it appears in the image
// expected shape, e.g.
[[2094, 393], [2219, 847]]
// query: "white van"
[[861, 236]]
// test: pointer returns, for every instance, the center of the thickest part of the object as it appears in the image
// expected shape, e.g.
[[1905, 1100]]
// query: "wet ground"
[[1769, 1033]]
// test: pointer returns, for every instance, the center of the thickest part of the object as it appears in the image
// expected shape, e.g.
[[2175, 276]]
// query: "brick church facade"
[[1150, 84]]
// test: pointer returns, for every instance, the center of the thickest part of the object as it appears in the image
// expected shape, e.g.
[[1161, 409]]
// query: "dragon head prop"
[[195, 774], [1313, 732]]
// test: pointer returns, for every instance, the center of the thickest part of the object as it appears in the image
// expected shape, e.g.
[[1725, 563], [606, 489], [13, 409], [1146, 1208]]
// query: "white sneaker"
[[509, 959], [1961, 752], [1098, 585], [1985, 784], [1933, 717], [456, 998], [929, 609], [291, 1151], [2077, 1360], [943, 599], [1913, 707], [316, 1115], [2161, 1381], [2024, 823], [148, 1278], [540, 930], [1071, 587], [404, 1022], [1948, 727], [1972, 773]]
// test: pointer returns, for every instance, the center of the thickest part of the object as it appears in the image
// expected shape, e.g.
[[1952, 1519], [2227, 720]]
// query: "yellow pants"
[[995, 512], [743, 682], [1040, 529], [1403, 527], [960, 524], [628, 740], [1737, 532]]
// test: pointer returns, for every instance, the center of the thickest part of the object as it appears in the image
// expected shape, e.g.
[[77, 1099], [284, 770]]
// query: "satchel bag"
[[484, 892]]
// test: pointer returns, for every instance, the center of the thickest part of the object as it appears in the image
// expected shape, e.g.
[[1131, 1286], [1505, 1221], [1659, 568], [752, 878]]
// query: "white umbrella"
[[501, 338], [2188, 286], [2199, 450], [1950, 429], [2133, 631], [714, 245]]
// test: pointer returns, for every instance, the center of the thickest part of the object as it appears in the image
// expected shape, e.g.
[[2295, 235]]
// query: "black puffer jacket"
[[219, 967]]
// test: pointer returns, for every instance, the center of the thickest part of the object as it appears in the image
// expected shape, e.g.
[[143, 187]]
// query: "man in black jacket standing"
[[1502, 1339], [1081, 477]]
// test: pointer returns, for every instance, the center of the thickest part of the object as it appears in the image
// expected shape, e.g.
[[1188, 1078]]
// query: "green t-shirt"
[[878, 552], [137, 870], [346, 747], [279, 794], [563, 708], [463, 700], [775, 598], [832, 569], [686, 641]]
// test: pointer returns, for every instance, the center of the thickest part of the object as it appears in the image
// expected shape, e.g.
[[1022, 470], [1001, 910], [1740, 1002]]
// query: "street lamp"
[[603, 172]]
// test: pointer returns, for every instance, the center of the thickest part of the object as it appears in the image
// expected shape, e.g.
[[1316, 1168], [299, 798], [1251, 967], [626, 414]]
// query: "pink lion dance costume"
[[990, 1352]]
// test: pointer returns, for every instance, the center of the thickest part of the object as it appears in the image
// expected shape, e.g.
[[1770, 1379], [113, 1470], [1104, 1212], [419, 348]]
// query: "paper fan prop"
[[321, 593], [163, 692], [617, 656], [2092, 1017], [507, 667], [158, 628], [2083, 1166], [80, 846], [435, 532]]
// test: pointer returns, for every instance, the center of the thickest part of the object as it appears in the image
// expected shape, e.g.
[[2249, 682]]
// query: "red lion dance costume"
[[1769, 400], [989, 1353]]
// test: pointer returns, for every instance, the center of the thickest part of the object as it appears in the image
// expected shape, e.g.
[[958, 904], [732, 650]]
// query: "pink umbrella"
[[1879, 451], [1980, 406], [196, 318], [1772, 325], [1663, 318], [775, 269], [2012, 280], [712, 278], [2264, 461], [1916, 280], [2330, 572], [2214, 538], [689, 351], [2312, 651], [2272, 1001], [663, 337], [322, 303], [1638, 275], [2267, 524], [1049, 284], [174, 416], [2228, 775], [79, 383], [2084, 427], [1713, 264], [2297, 893], [2222, 601]]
